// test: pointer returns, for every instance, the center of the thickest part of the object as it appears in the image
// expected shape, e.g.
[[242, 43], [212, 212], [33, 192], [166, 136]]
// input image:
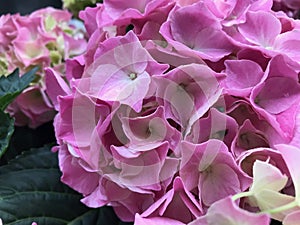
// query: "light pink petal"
[[288, 120], [291, 157], [289, 43], [264, 5], [292, 218], [89, 16], [220, 9], [264, 34]]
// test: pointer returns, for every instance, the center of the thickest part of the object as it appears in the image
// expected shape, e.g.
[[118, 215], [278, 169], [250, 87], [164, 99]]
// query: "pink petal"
[[277, 94], [242, 76], [292, 218], [226, 211], [289, 43], [55, 86], [84, 181], [264, 34], [178, 203], [291, 157], [218, 175], [155, 221]]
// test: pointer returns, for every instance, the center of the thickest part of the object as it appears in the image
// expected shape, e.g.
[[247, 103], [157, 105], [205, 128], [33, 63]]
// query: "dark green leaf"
[[31, 191], [12, 85], [102, 216], [6, 131], [25, 138]]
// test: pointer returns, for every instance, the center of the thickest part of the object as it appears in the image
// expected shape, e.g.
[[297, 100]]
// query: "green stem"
[[241, 195], [283, 207]]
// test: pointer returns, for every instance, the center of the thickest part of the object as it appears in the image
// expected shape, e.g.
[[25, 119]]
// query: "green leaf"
[[6, 131], [31, 191], [12, 85], [25, 138], [102, 216]]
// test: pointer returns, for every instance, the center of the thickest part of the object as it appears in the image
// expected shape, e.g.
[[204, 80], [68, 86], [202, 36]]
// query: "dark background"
[[26, 6]]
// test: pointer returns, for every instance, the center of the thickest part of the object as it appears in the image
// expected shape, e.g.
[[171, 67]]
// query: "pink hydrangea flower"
[[173, 100]]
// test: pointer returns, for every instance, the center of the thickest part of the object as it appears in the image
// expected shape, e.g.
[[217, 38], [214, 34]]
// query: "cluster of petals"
[[183, 112], [45, 38]]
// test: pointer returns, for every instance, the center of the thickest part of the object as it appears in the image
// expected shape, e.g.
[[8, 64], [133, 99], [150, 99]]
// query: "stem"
[[283, 207], [241, 195]]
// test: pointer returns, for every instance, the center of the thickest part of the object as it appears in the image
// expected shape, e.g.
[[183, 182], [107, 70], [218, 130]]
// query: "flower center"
[[132, 76]]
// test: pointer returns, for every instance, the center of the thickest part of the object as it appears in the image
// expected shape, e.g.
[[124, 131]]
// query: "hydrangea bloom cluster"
[[184, 112], [44, 38]]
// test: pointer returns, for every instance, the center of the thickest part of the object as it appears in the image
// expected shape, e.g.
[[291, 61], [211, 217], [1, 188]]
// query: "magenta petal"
[[217, 125], [187, 22], [296, 138], [212, 44], [218, 175], [155, 221], [242, 76], [147, 132], [96, 199], [74, 67], [264, 34], [248, 137], [55, 86], [277, 94], [283, 67], [193, 30], [208, 166], [178, 203], [84, 181]]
